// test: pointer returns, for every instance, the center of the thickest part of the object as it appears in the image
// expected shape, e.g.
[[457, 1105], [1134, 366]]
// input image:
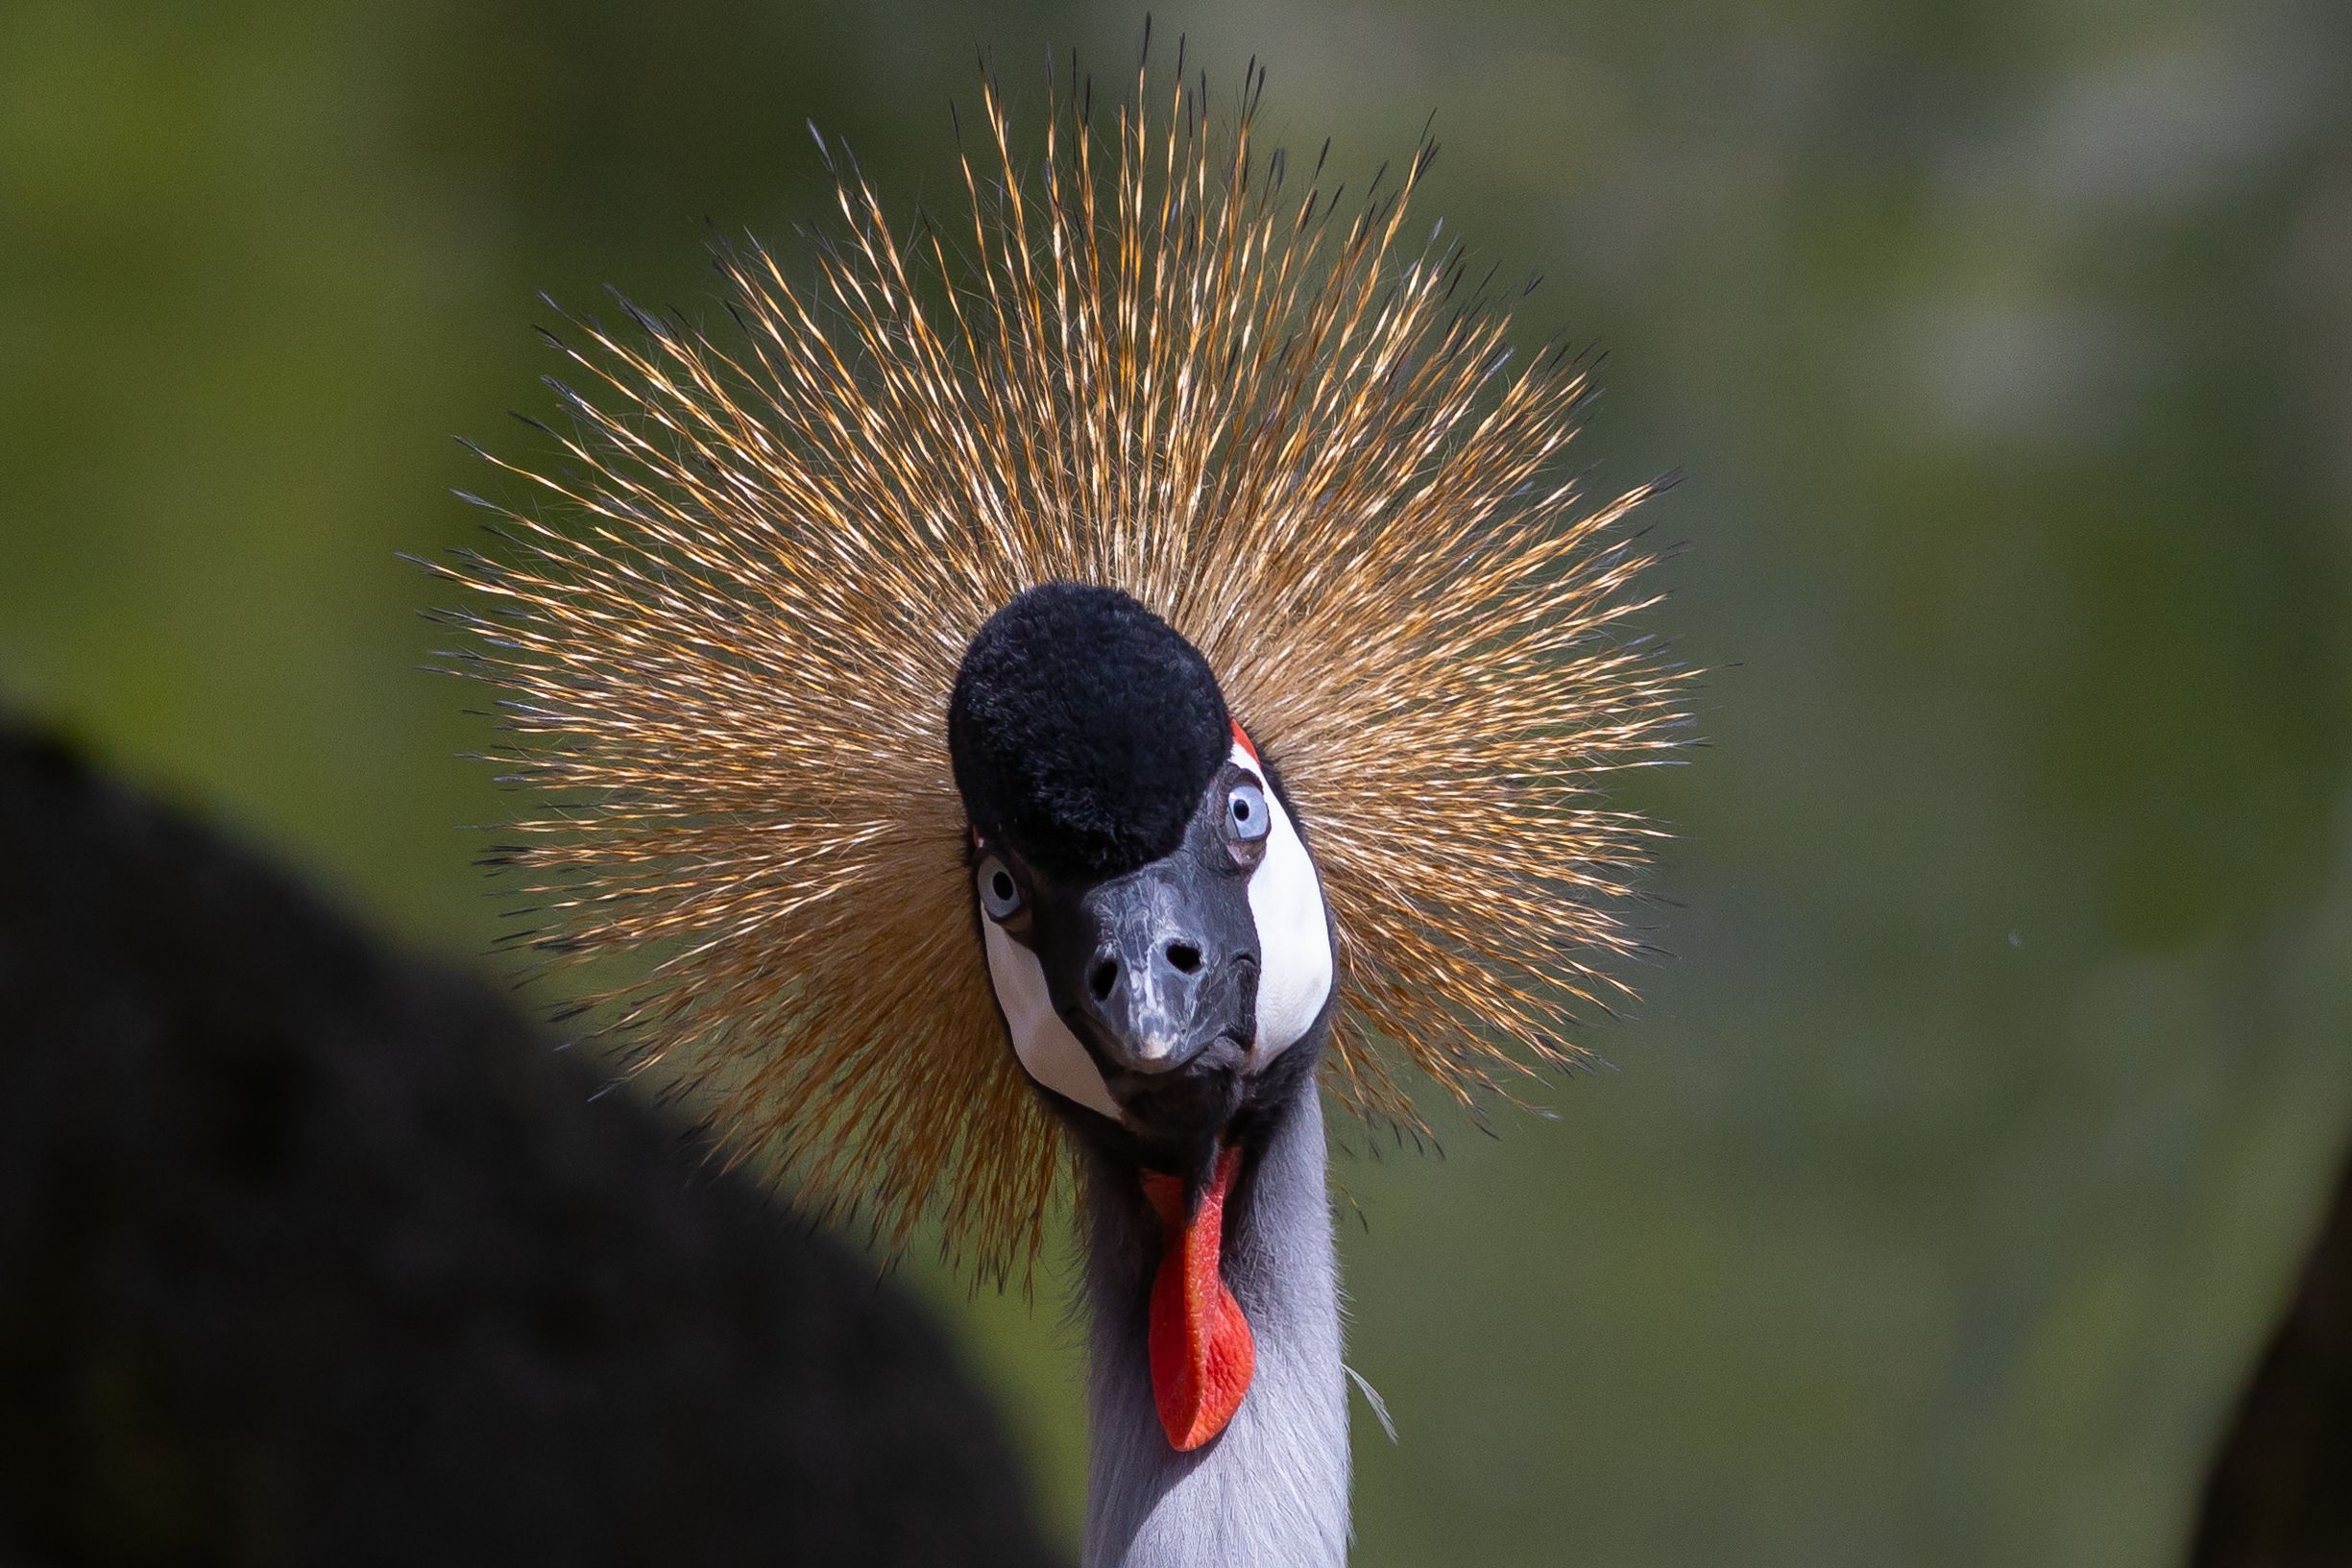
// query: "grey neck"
[[1271, 1490]]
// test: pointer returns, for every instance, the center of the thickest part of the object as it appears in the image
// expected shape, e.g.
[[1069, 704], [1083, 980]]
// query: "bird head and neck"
[[1278, 661], [1160, 949]]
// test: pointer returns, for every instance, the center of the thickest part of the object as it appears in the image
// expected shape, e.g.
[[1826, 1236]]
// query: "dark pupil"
[[1241, 810], [1001, 885]]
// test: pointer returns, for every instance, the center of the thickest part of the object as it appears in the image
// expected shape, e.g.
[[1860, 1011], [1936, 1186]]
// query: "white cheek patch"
[[1286, 900], [1049, 1053]]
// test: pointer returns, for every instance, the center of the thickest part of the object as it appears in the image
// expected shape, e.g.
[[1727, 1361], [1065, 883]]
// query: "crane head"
[[909, 978], [1156, 931]]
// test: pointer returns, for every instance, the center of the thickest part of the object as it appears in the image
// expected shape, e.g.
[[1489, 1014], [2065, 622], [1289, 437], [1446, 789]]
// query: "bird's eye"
[[999, 894], [1246, 813]]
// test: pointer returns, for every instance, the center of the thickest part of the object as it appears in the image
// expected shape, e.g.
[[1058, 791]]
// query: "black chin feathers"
[[1083, 730]]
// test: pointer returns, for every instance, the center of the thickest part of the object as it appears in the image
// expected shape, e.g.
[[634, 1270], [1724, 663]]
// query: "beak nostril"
[[1184, 955], [1102, 978]]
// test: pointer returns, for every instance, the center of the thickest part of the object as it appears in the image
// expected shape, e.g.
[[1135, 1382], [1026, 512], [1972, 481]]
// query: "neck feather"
[[1271, 1490]]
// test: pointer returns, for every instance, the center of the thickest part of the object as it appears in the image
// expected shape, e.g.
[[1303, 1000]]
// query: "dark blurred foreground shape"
[[2280, 1495], [311, 1255]]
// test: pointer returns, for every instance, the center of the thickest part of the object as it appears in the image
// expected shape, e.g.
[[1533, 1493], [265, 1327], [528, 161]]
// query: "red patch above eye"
[[1241, 737]]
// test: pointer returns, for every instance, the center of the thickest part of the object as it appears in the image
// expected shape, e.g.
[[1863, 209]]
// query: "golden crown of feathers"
[[727, 633]]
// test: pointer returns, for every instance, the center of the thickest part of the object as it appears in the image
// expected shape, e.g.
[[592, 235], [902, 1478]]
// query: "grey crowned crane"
[[1044, 699]]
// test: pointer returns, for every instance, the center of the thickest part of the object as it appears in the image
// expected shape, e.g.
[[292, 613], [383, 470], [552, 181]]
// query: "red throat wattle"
[[1202, 1352]]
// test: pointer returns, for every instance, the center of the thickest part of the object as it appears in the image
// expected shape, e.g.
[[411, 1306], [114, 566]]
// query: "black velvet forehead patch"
[[1083, 731]]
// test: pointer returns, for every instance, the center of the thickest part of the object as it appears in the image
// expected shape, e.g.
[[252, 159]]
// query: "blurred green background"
[[1938, 1195]]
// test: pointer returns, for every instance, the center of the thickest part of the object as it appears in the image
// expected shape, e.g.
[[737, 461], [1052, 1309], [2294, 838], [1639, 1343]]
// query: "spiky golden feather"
[[728, 629]]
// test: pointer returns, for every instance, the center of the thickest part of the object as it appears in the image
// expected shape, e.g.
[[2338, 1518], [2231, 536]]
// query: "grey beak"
[[1158, 946]]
